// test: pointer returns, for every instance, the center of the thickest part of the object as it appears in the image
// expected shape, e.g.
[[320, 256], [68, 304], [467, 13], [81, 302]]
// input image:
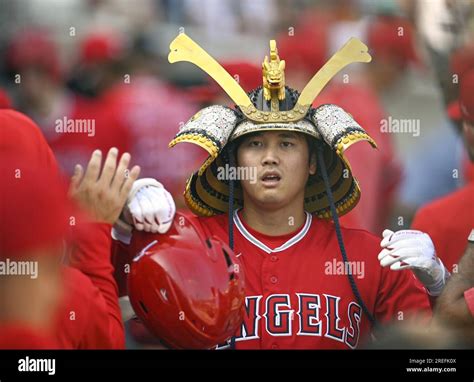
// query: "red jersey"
[[448, 221], [20, 336], [297, 289], [89, 315]]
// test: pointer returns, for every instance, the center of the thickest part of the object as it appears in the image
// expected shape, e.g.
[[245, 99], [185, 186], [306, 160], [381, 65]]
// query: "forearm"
[[466, 265], [451, 305]]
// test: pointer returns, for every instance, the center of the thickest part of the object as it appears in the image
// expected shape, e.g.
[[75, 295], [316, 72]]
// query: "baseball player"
[[275, 176], [449, 220], [88, 314]]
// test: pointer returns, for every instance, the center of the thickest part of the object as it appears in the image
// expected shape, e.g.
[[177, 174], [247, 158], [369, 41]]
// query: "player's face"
[[281, 162]]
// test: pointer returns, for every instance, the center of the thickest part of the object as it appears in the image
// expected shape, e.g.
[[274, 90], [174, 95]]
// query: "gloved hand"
[[150, 208], [414, 250]]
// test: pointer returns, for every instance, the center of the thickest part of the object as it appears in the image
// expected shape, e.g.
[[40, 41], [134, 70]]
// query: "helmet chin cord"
[[337, 227]]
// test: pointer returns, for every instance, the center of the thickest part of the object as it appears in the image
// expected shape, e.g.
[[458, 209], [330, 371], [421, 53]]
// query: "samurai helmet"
[[272, 106]]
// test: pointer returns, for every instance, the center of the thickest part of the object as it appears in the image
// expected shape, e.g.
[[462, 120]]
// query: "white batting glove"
[[411, 249], [150, 208]]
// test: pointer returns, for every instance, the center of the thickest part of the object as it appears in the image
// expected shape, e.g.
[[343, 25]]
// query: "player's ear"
[[312, 155]]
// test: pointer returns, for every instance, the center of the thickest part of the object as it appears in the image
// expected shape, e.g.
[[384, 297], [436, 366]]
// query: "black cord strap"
[[335, 217]]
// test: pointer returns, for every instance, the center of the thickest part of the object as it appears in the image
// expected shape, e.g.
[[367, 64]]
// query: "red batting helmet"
[[187, 287]]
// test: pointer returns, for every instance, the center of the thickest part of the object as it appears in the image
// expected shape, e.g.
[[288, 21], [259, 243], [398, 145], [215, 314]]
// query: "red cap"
[[100, 47], [34, 209], [309, 53], [462, 60], [249, 77], [392, 38], [466, 98], [34, 47]]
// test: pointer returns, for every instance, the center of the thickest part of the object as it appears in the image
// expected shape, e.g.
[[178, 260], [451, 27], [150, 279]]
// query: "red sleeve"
[[469, 297], [102, 329], [17, 336], [91, 255], [401, 296]]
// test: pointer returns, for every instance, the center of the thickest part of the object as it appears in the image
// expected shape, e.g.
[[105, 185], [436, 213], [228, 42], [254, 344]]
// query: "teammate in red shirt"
[[300, 292], [449, 220], [439, 228], [89, 314]]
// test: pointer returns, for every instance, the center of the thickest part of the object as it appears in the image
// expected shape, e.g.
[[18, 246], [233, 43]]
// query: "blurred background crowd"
[[104, 62]]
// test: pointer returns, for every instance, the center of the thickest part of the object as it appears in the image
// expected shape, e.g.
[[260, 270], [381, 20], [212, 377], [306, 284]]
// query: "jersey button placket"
[[273, 266], [271, 281], [270, 273]]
